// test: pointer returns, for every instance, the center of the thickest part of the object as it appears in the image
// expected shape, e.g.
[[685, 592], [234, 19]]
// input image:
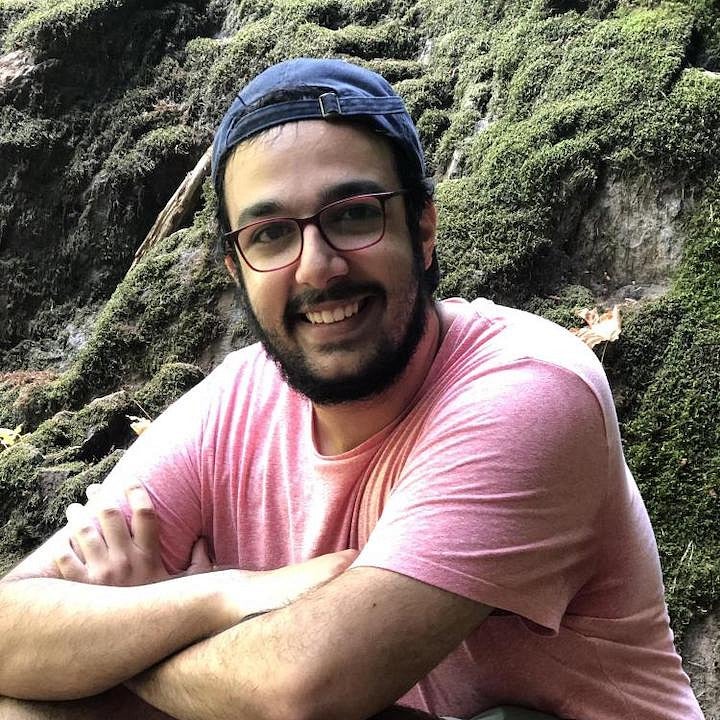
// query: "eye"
[[354, 216], [273, 232]]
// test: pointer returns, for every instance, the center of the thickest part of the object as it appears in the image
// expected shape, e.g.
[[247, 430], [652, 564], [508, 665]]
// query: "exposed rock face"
[[630, 238], [702, 662], [14, 66], [576, 147]]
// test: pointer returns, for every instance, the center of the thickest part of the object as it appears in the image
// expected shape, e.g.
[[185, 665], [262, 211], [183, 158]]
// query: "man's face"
[[341, 325]]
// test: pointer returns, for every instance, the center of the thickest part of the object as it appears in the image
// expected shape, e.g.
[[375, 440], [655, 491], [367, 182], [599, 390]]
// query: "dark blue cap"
[[350, 92]]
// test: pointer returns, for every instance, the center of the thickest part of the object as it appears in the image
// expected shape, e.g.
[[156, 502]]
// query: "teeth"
[[332, 316]]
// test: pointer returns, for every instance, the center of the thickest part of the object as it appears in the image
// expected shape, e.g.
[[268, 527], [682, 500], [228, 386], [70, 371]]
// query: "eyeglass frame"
[[230, 238]]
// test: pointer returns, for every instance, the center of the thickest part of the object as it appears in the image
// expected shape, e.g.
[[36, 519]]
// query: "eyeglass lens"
[[347, 225]]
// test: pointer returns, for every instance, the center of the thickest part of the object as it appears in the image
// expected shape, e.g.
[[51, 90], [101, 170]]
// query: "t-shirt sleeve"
[[501, 497]]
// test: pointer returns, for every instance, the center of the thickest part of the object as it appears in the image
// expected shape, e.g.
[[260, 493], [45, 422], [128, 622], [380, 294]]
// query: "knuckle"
[[65, 559], [145, 513], [110, 513], [87, 532], [104, 577]]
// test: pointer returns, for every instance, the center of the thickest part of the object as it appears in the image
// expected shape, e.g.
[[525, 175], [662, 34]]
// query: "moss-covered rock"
[[72, 489], [169, 383], [21, 502]]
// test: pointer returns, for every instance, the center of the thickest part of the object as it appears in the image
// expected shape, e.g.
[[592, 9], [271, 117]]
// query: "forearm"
[[116, 703], [62, 640], [210, 680]]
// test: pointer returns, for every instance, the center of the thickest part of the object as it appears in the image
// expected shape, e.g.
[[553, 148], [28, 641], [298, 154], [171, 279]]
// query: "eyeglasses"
[[351, 224]]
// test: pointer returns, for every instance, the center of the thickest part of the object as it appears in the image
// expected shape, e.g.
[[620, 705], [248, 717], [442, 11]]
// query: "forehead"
[[295, 163]]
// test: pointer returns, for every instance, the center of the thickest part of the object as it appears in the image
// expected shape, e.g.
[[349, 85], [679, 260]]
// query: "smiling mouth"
[[327, 317]]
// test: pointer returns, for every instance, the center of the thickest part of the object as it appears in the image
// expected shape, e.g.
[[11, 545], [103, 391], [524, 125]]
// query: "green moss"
[[48, 28], [149, 155], [562, 308], [365, 12], [73, 489], [11, 11], [21, 132], [160, 313], [388, 38], [20, 498], [431, 126], [456, 139], [565, 90], [95, 429], [634, 360], [90, 156], [167, 385], [425, 93], [18, 472], [325, 13], [38, 509], [667, 368], [394, 70]]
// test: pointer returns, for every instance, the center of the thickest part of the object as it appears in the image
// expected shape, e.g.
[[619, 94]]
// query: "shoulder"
[[508, 380], [506, 333], [246, 374], [488, 344]]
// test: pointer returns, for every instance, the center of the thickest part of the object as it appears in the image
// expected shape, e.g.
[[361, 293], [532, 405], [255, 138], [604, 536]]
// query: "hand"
[[115, 553]]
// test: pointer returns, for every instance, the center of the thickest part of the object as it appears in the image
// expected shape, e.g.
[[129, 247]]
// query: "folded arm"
[[345, 650], [65, 635]]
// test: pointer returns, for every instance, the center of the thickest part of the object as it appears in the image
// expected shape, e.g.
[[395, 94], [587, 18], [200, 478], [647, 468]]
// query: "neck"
[[339, 428]]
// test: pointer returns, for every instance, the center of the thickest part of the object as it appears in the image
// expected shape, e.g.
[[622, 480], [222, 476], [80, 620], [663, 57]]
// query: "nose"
[[319, 262]]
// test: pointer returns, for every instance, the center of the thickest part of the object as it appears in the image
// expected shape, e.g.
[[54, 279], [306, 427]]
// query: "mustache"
[[343, 290]]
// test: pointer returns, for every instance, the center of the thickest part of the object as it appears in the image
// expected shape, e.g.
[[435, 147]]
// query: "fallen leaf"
[[10, 437], [600, 328], [138, 424]]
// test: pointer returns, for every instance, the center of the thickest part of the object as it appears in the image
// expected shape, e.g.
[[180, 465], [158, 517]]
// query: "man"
[[454, 469]]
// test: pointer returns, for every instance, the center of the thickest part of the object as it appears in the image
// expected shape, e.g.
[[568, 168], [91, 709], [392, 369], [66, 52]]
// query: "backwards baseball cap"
[[348, 91]]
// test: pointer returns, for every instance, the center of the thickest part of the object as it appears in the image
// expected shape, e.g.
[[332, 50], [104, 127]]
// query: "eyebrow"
[[269, 208]]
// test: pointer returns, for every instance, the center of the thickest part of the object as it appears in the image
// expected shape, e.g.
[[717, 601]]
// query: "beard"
[[379, 371]]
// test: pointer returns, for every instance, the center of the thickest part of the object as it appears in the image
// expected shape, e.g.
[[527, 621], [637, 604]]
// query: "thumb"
[[200, 557]]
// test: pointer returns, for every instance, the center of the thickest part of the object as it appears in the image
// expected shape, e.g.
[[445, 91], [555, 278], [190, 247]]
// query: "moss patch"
[[169, 383]]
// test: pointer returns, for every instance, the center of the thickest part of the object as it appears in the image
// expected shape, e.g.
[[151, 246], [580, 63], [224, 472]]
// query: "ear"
[[428, 231], [232, 268]]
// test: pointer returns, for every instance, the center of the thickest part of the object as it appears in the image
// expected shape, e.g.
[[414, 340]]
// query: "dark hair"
[[420, 189]]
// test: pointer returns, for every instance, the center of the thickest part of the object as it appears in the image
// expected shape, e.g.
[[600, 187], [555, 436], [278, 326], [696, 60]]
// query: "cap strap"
[[329, 104]]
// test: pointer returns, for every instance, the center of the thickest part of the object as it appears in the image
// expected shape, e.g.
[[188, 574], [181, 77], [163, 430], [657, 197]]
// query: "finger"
[[69, 565], [84, 532], [114, 528], [92, 490], [143, 524]]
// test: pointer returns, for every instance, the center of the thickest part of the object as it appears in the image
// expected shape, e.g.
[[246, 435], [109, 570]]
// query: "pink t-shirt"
[[504, 482]]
